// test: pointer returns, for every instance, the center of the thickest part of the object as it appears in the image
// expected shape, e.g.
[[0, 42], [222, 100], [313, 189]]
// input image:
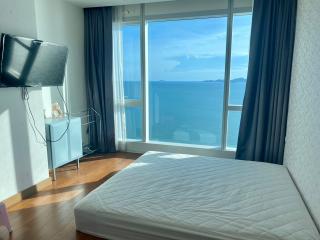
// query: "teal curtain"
[[98, 67], [264, 116]]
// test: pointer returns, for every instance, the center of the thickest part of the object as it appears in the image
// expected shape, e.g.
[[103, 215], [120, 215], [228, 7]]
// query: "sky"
[[188, 50]]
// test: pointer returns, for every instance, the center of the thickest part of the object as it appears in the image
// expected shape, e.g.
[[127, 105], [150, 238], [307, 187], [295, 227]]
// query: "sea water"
[[187, 112]]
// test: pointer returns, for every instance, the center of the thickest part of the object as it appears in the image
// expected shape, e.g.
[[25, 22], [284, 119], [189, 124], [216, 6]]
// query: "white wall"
[[23, 160], [303, 133], [63, 23]]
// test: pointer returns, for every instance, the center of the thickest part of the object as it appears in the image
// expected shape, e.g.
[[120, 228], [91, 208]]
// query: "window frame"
[[145, 144]]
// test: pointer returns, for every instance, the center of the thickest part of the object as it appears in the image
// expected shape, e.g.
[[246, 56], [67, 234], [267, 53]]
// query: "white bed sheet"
[[182, 197]]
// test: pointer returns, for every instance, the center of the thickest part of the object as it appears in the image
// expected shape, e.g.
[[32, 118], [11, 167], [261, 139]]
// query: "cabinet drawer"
[[69, 146], [59, 149], [75, 139]]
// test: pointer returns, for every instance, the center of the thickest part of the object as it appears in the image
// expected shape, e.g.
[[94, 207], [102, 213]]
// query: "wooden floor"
[[49, 213]]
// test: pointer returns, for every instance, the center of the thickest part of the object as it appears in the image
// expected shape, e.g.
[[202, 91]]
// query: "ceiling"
[[100, 3]]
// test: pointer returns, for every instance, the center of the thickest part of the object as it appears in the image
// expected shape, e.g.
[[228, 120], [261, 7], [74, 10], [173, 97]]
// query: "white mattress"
[[182, 197]]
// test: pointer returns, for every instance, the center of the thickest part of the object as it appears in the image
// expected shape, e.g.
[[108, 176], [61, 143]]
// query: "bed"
[[181, 197]]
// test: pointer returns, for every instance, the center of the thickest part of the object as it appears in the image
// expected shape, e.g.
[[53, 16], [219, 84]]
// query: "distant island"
[[235, 80], [239, 80], [218, 80]]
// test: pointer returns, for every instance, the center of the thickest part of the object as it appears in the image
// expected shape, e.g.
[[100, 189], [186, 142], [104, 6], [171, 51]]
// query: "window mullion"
[[144, 74], [227, 76]]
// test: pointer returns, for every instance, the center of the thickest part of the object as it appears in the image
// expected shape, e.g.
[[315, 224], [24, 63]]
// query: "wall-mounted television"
[[28, 62]]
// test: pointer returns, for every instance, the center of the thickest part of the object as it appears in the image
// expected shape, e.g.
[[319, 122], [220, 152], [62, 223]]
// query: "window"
[[238, 74], [186, 67], [132, 80], [239, 57], [195, 74]]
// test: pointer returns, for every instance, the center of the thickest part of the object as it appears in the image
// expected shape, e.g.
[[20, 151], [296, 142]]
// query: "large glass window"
[[132, 80], [186, 57], [186, 71], [238, 74], [239, 58]]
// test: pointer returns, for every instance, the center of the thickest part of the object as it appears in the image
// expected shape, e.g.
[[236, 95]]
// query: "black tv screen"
[[27, 62]]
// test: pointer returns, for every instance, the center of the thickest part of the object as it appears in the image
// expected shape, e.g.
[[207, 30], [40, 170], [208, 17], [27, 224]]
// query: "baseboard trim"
[[27, 193]]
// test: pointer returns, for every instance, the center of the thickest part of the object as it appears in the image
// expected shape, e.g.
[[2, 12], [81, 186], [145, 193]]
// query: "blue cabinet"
[[64, 144]]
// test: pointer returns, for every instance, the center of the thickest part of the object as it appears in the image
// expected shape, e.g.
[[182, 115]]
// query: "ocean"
[[185, 112]]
